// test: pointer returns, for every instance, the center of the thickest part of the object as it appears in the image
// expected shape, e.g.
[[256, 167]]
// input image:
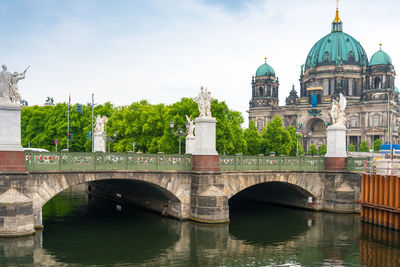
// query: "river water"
[[83, 230]]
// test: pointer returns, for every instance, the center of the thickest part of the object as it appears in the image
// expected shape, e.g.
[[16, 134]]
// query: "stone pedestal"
[[205, 155], [99, 142], [190, 144], [12, 156], [16, 214], [336, 155]]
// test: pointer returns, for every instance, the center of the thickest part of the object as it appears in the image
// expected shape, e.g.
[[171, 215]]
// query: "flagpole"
[[92, 122], [69, 102]]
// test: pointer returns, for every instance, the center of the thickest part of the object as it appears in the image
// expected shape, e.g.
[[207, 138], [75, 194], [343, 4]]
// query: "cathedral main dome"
[[336, 48]]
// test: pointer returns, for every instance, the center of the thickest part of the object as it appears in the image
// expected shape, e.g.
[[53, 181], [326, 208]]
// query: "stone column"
[[205, 156], [99, 142], [190, 144], [208, 201], [12, 156], [336, 155]]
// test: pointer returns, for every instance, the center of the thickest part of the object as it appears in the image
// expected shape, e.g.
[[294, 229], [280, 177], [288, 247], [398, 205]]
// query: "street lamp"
[[133, 146], [179, 133], [111, 139]]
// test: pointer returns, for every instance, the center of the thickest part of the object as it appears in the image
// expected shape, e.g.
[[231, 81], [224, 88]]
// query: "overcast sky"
[[163, 50]]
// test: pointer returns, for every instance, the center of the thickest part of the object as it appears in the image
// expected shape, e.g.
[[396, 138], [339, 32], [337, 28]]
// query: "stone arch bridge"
[[167, 183]]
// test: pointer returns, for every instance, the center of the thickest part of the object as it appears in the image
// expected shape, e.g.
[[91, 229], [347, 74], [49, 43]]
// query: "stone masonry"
[[200, 196]]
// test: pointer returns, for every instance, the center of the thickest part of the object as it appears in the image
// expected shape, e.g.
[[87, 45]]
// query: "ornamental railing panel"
[[360, 164], [261, 162], [84, 161]]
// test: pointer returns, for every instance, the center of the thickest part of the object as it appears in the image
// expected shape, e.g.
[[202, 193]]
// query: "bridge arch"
[[304, 184], [174, 184]]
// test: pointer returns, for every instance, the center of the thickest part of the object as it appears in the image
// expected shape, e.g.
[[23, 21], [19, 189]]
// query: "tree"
[[229, 133], [352, 148], [295, 142], [312, 150], [276, 138], [377, 145], [253, 140], [364, 147], [322, 150]]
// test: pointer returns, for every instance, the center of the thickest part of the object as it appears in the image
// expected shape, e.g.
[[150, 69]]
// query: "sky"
[[163, 50]]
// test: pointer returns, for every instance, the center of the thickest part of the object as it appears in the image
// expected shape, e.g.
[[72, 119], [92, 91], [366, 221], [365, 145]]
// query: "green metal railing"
[[51, 161], [261, 162], [64, 161], [360, 164]]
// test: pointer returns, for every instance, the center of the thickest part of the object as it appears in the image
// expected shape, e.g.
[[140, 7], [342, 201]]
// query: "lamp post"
[[133, 146], [111, 139], [179, 133]]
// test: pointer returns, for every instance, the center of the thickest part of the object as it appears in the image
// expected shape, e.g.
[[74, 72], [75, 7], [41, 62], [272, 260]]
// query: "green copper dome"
[[336, 48], [380, 58], [265, 70], [396, 90]]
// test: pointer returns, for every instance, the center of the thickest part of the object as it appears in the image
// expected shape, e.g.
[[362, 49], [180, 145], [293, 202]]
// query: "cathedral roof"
[[380, 58], [336, 48], [265, 70]]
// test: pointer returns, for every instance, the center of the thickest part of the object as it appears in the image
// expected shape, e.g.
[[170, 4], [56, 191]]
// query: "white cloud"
[[167, 55]]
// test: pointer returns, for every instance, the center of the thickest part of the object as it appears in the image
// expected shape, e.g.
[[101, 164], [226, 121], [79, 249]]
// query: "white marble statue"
[[337, 111], [204, 102], [9, 86], [99, 136], [190, 126], [100, 122]]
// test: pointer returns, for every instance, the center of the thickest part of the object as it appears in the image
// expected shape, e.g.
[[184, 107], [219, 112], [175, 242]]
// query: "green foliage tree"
[[364, 147], [352, 148], [295, 142], [276, 138], [253, 140], [229, 133], [377, 145], [312, 150], [322, 150], [141, 122]]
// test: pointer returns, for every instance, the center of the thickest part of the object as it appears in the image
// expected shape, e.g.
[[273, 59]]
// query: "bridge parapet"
[[86, 161], [261, 162], [364, 164], [81, 161]]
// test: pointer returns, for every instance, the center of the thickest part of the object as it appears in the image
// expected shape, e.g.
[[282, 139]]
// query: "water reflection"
[[82, 230]]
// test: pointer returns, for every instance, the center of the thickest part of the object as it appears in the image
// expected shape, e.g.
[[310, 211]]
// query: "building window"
[[377, 83], [318, 126], [353, 122], [260, 125], [375, 121], [260, 89]]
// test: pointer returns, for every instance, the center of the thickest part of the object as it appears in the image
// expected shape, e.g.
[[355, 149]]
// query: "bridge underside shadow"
[[279, 193], [138, 193]]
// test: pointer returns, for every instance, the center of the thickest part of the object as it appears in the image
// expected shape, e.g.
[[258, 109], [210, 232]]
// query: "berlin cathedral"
[[336, 64]]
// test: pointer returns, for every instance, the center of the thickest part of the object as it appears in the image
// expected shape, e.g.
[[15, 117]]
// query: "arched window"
[[318, 126], [260, 125], [377, 83], [260, 91]]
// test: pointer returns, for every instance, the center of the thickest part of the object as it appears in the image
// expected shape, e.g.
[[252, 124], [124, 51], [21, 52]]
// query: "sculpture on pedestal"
[[99, 137], [337, 111], [204, 102], [189, 126], [9, 86]]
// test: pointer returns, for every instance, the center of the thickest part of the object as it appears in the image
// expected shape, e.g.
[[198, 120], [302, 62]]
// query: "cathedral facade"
[[336, 64]]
